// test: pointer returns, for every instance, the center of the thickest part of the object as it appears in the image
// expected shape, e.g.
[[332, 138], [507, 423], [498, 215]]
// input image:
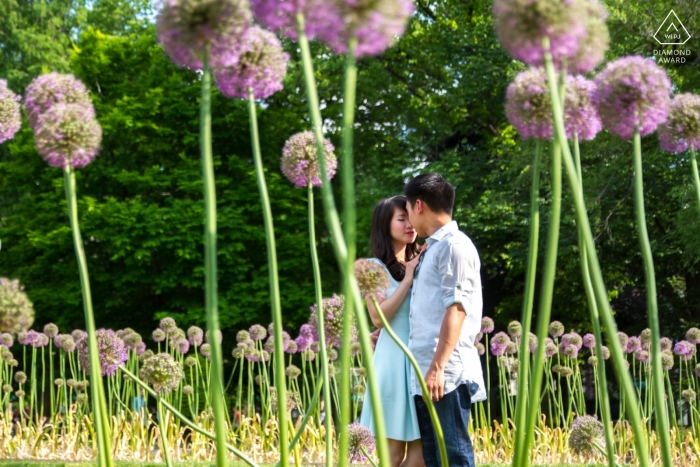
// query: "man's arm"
[[449, 336]]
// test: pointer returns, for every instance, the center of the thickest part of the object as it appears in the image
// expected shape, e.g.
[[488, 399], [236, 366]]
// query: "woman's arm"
[[391, 305]]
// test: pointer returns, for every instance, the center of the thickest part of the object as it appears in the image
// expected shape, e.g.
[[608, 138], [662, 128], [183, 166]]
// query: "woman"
[[394, 246]]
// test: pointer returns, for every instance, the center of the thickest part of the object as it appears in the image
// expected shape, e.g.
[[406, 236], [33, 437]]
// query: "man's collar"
[[442, 231]]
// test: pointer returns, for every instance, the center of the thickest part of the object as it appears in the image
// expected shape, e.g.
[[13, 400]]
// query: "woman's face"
[[401, 229]]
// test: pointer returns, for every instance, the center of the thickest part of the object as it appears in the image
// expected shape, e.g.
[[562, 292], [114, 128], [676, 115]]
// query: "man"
[[445, 318]]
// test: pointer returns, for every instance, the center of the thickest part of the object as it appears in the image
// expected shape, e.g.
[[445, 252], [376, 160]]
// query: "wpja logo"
[[672, 32]]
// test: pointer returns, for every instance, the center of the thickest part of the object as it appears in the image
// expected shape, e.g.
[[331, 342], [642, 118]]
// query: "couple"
[[434, 305]]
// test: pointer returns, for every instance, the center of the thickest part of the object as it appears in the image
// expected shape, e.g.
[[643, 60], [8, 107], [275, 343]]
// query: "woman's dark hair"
[[380, 238]]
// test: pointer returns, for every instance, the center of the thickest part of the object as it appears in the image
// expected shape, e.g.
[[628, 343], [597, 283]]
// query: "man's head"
[[430, 199]]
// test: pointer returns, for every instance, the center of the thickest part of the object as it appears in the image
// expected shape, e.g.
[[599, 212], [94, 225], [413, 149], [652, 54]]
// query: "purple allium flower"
[[499, 343], [528, 104], [65, 342], [580, 115], [666, 343], [10, 120], [51, 330], [167, 324], [140, 348], [690, 354], [182, 346], [359, 437], [78, 334], [570, 351], [280, 16], [307, 331], [550, 349], [41, 340], [269, 344], [682, 127], [16, 310], [292, 347], [585, 432], [257, 332], [666, 360], [487, 325], [624, 338], [683, 348], [697, 370], [479, 336], [242, 335], [574, 339], [300, 160], [332, 355], [522, 24], [633, 344], [372, 279], [589, 340], [68, 134], [645, 338], [218, 334], [511, 348], [632, 92], [375, 24], [515, 330], [251, 354], [162, 372], [532, 342], [333, 309], [132, 339], [642, 355], [556, 329], [261, 67], [46, 91], [693, 335], [309, 355], [595, 42], [158, 335], [195, 335], [302, 343], [28, 338], [205, 350], [111, 349], [6, 339], [187, 27], [480, 348]]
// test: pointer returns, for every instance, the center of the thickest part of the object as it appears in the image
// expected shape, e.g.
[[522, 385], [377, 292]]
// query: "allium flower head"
[[480, 348], [280, 16], [633, 344], [632, 92], [666, 343], [580, 115], [46, 91], [666, 360], [683, 348], [158, 335], [5, 354], [20, 377], [187, 27], [556, 329], [574, 339], [528, 104], [355, 348], [257, 332], [68, 135], [697, 370], [359, 437], [205, 350], [270, 344], [182, 346], [333, 309], [300, 160], [187, 390], [499, 343], [372, 278], [195, 335], [532, 342], [41, 340], [585, 431], [589, 340], [78, 334], [522, 24], [515, 329], [242, 336], [624, 338], [261, 67], [693, 335], [111, 349], [6, 339], [645, 338], [550, 348], [307, 331], [51, 330], [681, 130], [167, 324], [189, 361], [593, 360], [570, 351], [65, 342], [10, 119], [642, 355], [375, 24], [688, 394], [20, 394], [487, 325], [511, 348], [292, 347], [595, 42], [7, 388], [563, 370], [16, 310], [162, 372], [292, 371]]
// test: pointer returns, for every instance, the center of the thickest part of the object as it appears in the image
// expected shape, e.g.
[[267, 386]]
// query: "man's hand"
[[374, 337], [435, 381]]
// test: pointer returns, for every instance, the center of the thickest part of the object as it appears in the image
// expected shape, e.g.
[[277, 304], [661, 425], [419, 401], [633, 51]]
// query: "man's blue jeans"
[[453, 412]]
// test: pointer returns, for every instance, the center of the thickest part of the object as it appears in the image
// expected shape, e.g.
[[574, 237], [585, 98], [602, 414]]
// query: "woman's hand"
[[411, 267]]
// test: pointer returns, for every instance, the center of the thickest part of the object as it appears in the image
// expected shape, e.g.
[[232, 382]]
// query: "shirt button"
[[410, 337]]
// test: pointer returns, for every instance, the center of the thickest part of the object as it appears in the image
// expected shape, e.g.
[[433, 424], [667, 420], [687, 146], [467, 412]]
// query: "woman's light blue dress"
[[393, 372]]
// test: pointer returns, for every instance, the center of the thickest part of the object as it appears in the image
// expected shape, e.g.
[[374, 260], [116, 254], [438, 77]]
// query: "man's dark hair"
[[433, 190]]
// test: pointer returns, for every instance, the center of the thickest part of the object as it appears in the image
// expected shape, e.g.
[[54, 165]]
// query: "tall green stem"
[[210, 278], [323, 353], [280, 382], [657, 372], [104, 450], [601, 376], [163, 428], [526, 319], [617, 355], [696, 177]]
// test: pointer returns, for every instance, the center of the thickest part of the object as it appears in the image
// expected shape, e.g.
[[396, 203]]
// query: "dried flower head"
[[19, 393], [528, 104], [556, 329], [187, 28], [522, 24], [632, 92], [580, 115], [300, 160], [162, 372], [372, 278], [16, 310], [681, 130], [359, 437], [68, 135], [10, 119], [487, 325], [7, 388], [46, 91], [58, 382], [261, 67], [586, 431], [111, 350]]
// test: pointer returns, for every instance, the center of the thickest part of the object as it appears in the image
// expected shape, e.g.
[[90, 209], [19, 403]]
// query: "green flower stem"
[[162, 427], [280, 382], [210, 300], [617, 355], [657, 372], [528, 299], [323, 353], [104, 451], [429, 403], [340, 248], [696, 177], [545, 307], [600, 375], [184, 419]]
